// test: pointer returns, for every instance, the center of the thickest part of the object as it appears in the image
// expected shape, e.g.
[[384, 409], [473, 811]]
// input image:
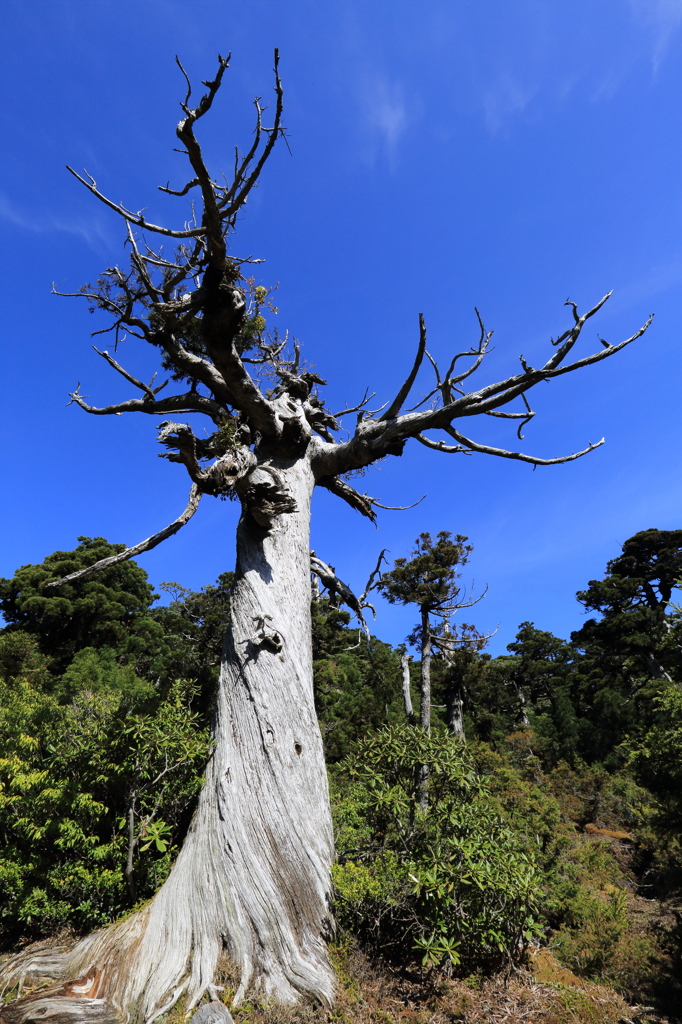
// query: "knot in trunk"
[[266, 496]]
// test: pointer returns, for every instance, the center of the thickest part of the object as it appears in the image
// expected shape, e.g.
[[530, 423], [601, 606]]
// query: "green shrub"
[[453, 880], [71, 776]]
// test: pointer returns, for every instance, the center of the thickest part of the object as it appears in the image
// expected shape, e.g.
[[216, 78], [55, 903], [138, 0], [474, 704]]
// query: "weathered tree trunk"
[[424, 703], [454, 707], [253, 874], [407, 694], [425, 673], [523, 714]]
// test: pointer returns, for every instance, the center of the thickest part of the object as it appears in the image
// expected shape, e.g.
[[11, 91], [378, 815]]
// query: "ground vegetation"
[[531, 854]]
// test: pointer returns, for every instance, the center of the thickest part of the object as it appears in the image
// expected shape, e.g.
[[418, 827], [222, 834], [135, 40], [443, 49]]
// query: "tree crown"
[[101, 611], [202, 309], [429, 577]]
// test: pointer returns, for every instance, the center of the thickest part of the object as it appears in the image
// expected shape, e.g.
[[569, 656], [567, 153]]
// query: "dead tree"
[[254, 872], [457, 647]]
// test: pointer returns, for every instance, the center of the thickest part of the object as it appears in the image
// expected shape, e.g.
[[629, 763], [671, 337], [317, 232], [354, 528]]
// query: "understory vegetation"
[[541, 840]]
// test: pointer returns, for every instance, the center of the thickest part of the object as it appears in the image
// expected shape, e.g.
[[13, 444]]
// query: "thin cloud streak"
[[385, 116], [91, 232], [665, 18], [503, 101], [538, 70]]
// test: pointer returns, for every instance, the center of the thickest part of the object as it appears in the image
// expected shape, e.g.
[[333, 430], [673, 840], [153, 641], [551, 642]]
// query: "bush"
[[73, 779], [452, 881]]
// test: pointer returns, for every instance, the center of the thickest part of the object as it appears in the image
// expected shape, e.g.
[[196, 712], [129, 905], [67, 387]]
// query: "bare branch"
[[361, 405], [137, 549], [182, 192], [373, 581], [360, 502], [327, 576], [128, 376], [212, 220], [468, 446], [449, 643], [197, 367], [191, 401], [397, 403], [525, 417], [445, 610], [376, 438], [233, 203], [569, 338], [397, 508], [134, 218], [446, 386]]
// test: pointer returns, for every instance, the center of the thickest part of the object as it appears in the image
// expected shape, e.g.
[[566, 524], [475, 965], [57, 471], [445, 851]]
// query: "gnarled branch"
[[375, 438], [217, 479], [399, 400], [360, 502], [133, 218], [189, 402]]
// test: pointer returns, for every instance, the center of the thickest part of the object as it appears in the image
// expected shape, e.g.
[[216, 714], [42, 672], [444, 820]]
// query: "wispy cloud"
[[541, 54], [658, 279], [387, 112], [385, 115], [40, 224], [664, 18], [507, 97]]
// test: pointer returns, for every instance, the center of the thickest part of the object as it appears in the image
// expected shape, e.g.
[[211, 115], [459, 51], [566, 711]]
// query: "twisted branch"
[[137, 549]]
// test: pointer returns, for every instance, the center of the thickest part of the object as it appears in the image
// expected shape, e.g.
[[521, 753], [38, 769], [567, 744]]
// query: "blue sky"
[[443, 156]]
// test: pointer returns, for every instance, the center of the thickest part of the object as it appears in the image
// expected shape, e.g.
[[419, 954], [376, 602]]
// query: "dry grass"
[[546, 993], [373, 993]]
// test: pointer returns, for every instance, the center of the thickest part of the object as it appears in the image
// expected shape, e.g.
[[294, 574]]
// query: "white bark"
[[454, 704], [254, 872], [407, 695]]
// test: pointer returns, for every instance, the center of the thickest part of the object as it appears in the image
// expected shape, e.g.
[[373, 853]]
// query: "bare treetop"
[[206, 318]]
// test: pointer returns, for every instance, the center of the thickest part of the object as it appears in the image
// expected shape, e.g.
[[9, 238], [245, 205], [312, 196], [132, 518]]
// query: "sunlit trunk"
[[253, 876], [407, 694]]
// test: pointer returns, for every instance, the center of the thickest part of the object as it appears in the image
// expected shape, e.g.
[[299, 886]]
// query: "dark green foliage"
[[584, 697], [656, 760], [109, 609], [357, 686], [192, 635], [104, 711], [580, 821], [627, 657], [105, 624], [538, 685], [428, 578]]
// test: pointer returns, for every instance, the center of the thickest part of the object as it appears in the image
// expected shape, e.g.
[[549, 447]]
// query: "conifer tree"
[[429, 580]]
